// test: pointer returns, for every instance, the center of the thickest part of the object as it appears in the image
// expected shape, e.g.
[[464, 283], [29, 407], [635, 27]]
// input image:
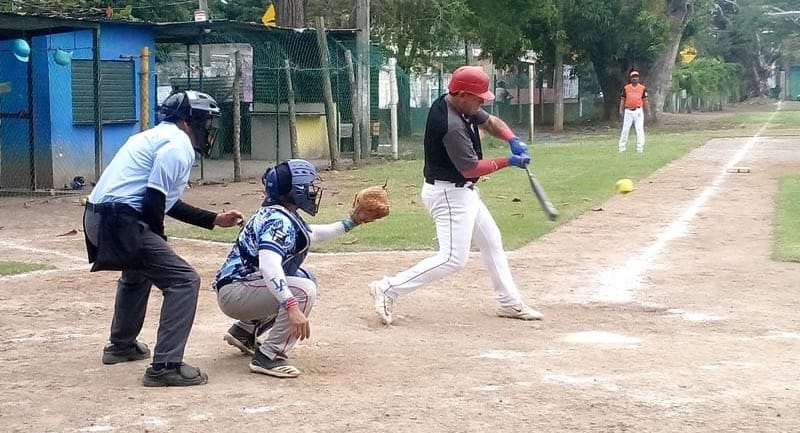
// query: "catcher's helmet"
[[471, 79], [198, 109], [293, 181]]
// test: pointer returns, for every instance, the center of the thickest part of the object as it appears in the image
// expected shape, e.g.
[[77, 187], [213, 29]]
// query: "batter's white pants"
[[636, 117], [460, 216]]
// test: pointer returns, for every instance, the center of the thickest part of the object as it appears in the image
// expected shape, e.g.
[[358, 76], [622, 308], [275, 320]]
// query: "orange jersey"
[[634, 95]]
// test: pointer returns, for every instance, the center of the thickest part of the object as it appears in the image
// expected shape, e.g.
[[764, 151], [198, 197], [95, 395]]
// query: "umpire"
[[124, 230]]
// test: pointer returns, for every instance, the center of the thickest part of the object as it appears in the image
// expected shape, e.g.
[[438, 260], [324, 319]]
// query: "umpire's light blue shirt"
[[159, 158]]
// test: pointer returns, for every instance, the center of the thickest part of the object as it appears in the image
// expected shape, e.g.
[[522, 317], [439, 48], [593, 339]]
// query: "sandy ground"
[[663, 312]]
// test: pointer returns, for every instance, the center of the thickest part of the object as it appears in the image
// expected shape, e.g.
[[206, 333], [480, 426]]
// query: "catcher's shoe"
[[276, 368], [241, 339], [519, 311], [114, 354], [383, 303], [174, 375]]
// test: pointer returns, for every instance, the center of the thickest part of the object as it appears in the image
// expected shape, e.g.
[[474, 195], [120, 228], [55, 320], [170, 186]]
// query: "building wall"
[[73, 145], [14, 131]]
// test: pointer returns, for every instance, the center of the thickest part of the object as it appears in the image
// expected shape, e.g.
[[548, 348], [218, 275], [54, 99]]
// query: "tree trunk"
[[558, 88], [609, 75], [659, 80], [290, 13]]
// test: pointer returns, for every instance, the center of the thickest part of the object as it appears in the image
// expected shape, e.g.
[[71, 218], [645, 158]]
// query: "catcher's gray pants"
[[178, 281], [253, 305]]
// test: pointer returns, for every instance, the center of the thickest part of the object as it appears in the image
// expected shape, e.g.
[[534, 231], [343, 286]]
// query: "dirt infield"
[[663, 312]]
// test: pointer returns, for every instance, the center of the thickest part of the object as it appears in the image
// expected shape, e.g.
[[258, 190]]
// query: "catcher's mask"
[[293, 181], [199, 110]]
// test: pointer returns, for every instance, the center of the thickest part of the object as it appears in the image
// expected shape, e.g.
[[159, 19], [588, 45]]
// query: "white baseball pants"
[[635, 117], [460, 216]]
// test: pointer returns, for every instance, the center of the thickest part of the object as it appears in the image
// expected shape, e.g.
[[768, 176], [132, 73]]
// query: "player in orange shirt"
[[633, 108]]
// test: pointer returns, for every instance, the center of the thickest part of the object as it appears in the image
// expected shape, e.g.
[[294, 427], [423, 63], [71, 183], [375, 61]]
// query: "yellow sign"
[[688, 54], [269, 16]]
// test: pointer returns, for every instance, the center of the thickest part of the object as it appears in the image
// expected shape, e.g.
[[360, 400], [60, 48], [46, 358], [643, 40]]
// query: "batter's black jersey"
[[452, 143]]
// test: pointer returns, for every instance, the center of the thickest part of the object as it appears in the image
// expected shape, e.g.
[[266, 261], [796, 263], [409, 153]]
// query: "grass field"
[[786, 242], [11, 268], [579, 172]]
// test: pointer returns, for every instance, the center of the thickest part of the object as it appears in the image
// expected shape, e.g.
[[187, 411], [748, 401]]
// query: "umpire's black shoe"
[[174, 375], [241, 339], [114, 354]]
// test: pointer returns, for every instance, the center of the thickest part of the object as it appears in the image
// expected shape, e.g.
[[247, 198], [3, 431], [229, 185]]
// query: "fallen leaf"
[[516, 199], [69, 233], [597, 209], [518, 214], [349, 242], [213, 203], [501, 197], [227, 202]]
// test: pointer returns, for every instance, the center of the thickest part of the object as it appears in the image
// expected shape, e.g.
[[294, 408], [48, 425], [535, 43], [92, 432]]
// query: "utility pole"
[[363, 57], [203, 5]]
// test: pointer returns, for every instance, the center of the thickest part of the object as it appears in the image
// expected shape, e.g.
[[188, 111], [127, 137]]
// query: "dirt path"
[[663, 314]]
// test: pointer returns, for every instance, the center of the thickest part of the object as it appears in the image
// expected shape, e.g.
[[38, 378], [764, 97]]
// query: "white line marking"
[[618, 285], [259, 409], [45, 272], [11, 244], [694, 317], [601, 337], [501, 354]]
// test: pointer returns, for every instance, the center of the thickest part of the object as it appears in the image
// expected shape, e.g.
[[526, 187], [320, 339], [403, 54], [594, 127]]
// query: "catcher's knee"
[[302, 273], [304, 290]]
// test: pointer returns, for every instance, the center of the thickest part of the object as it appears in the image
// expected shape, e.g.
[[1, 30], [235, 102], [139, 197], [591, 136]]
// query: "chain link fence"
[[65, 112]]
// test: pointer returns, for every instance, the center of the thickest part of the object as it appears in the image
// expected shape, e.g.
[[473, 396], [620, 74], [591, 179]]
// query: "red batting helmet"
[[473, 80]]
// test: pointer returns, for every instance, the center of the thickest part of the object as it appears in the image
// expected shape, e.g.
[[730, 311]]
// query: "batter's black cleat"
[[241, 339], [174, 375], [114, 354]]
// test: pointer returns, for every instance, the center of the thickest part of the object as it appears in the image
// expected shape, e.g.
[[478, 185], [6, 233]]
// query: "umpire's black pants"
[[162, 267]]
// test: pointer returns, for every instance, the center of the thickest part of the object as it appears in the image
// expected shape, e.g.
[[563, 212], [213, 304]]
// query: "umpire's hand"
[[229, 218]]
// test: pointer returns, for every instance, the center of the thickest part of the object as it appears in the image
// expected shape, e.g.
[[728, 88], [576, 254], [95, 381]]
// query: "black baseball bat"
[[541, 195]]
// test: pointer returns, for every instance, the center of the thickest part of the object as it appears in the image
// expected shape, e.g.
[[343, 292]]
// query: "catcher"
[[262, 283]]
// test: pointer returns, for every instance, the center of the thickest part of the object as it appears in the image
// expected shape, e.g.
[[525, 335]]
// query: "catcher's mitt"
[[370, 204]]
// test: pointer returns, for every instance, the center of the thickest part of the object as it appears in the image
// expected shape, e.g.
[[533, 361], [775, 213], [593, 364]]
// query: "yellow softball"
[[624, 186]]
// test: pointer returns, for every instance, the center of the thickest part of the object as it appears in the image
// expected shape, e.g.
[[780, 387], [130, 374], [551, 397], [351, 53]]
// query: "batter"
[[453, 164]]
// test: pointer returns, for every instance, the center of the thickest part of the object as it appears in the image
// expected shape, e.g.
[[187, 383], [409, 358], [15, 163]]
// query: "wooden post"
[[237, 117], [292, 110], [354, 107], [393, 98], [558, 88], [363, 51], [531, 97], [98, 109], [330, 113], [144, 83]]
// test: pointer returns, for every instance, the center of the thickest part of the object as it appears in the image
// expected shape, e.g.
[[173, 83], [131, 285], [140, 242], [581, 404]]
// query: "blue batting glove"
[[519, 160], [518, 147]]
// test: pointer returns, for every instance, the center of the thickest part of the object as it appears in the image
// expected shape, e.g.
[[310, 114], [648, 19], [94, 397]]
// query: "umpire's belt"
[[111, 207], [465, 184]]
